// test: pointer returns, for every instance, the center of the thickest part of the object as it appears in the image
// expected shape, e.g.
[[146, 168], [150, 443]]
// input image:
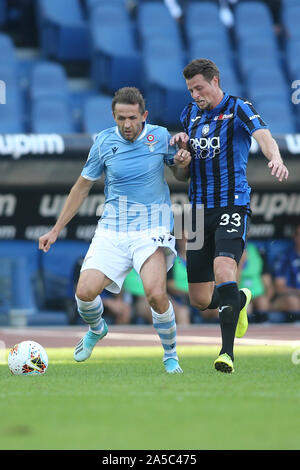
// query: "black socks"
[[215, 300], [231, 302]]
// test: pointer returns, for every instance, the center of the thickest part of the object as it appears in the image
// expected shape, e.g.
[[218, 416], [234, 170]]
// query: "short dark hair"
[[205, 67], [129, 95]]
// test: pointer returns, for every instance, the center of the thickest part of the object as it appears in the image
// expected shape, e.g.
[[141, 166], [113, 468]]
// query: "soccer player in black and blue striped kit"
[[217, 131]]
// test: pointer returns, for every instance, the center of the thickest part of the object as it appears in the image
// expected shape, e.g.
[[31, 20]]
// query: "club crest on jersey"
[[205, 129], [151, 142]]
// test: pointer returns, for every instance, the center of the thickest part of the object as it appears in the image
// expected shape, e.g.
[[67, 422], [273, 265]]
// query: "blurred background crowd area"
[[62, 60]]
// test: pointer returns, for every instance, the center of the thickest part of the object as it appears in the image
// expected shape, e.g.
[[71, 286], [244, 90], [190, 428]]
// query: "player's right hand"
[[45, 241], [182, 158], [181, 139]]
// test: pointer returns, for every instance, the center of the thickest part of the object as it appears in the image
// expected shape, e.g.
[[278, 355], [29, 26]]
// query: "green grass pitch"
[[122, 399]]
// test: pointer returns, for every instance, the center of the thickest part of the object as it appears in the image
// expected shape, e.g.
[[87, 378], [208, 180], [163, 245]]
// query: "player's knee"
[[200, 301], [85, 293], [158, 300]]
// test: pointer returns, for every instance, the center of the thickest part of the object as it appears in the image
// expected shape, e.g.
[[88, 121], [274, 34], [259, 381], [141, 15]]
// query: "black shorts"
[[225, 232]]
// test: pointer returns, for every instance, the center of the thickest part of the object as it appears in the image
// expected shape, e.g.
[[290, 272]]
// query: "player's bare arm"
[[270, 149], [182, 161], [74, 200]]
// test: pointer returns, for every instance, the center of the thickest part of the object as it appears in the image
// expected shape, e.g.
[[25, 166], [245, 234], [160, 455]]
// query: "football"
[[27, 358]]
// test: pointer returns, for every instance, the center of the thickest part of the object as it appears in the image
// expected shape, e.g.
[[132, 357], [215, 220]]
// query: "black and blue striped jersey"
[[219, 142]]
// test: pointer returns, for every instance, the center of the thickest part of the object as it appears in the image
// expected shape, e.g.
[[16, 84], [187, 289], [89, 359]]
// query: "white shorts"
[[116, 253]]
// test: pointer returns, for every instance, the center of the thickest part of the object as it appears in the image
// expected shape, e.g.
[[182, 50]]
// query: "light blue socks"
[[165, 326]]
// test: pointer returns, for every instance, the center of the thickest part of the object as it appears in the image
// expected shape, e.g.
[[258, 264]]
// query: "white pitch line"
[[203, 339], [151, 337]]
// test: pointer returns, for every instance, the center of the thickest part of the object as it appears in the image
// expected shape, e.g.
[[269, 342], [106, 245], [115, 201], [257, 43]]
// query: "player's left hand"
[[279, 170], [182, 158]]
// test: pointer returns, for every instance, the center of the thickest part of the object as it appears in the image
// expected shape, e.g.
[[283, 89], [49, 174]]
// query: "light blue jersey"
[[137, 196]]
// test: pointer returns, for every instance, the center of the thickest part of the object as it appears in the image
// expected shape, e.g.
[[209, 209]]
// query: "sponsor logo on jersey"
[[205, 147], [254, 117], [222, 117]]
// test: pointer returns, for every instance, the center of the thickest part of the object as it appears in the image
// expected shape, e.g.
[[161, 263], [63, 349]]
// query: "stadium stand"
[[63, 36], [49, 115], [253, 17], [97, 114], [290, 17], [293, 58], [3, 7], [155, 21], [8, 53], [10, 119], [142, 49], [278, 116], [163, 61], [261, 86], [48, 80], [165, 91], [115, 59], [249, 59], [211, 28]]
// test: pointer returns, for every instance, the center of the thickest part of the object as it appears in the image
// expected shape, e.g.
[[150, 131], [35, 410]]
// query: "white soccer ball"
[[27, 358]]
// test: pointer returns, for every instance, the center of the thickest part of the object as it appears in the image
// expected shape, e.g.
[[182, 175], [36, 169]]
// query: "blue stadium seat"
[[230, 83], [8, 51], [3, 11], [289, 2], [290, 18], [154, 21], [254, 53], [213, 49], [202, 20], [63, 31], [9, 75], [253, 18], [48, 79], [90, 4], [97, 114], [116, 61], [166, 92], [51, 116], [267, 77], [277, 115], [269, 83], [292, 57], [276, 92], [11, 120]]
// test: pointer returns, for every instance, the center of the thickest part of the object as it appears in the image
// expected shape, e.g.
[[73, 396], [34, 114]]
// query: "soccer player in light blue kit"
[[135, 227]]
